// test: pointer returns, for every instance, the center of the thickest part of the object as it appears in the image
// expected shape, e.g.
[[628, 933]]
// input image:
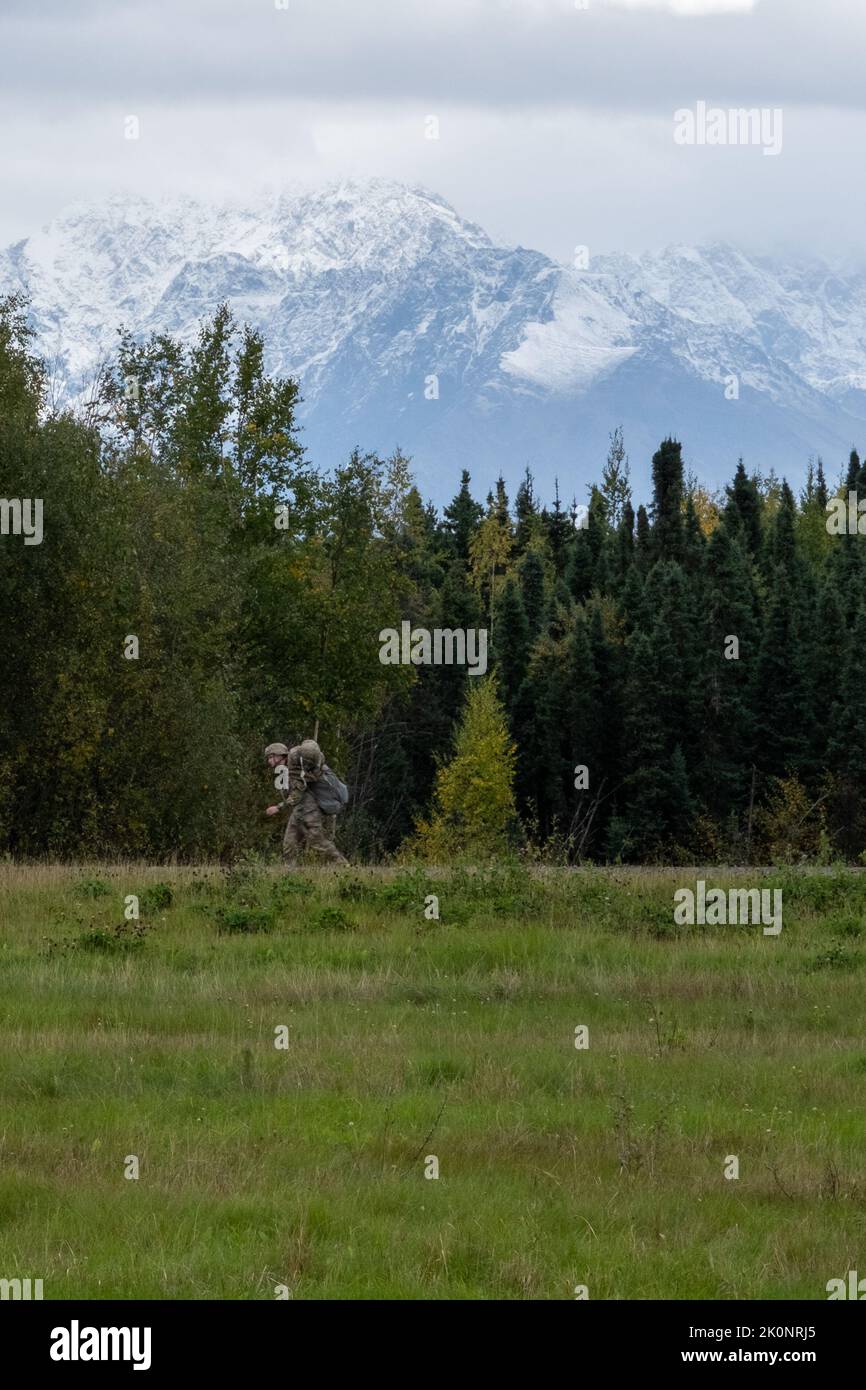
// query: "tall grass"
[[263, 1167]]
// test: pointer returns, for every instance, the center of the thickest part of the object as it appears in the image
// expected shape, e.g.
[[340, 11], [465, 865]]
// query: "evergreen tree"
[[500, 506], [510, 642], [660, 813], [743, 510], [829, 654], [667, 507], [559, 534], [615, 486], [728, 657], [643, 541], [608, 666], [539, 720], [852, 478], [461, 519], [780, 694], [821, 493], [847, 743], [694, 543], [584, 744], [587, 568], [531, 572], [528, 523], [624, 544], [781, 546]]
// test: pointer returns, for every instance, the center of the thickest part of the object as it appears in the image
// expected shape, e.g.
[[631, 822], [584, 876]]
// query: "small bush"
[[331, 919], [92, 888], [119, 940], [836, 957], [156, 898], [284, 890], [240, 878], [407, 892], [244, 920], [358, 890]]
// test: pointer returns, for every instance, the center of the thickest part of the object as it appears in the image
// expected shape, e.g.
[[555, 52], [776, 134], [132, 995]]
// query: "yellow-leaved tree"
[[474, 811]]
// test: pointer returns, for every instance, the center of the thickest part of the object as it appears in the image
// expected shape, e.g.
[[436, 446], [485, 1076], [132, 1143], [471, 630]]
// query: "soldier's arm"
[[292, 794]]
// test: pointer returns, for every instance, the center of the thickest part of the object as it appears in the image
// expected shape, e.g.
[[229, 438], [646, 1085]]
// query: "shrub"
[[474, 811], [119, 940], [92, 888], [331, 919], [244, 919], [156, 898]]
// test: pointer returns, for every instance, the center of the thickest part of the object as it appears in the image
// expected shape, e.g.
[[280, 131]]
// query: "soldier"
[[308, 826]]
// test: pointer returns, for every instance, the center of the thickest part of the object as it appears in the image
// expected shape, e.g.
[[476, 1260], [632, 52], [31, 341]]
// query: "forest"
[[680, 681]]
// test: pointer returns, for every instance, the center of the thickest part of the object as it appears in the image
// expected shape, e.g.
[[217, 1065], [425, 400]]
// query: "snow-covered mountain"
[[407, 325]]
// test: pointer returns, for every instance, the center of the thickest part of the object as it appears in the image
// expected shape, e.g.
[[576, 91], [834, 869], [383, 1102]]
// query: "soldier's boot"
[[319, 840], [326, 849]]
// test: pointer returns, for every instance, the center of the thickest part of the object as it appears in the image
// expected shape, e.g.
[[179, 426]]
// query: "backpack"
[[332, 795]]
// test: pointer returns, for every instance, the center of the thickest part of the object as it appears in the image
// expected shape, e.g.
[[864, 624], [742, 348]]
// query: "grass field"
[[408, 1037]]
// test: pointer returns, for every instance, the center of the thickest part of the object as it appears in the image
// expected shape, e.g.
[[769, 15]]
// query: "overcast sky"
[[555, 122]]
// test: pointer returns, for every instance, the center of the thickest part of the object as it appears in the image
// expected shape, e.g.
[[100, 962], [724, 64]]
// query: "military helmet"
[[311, 753], [279, 748]]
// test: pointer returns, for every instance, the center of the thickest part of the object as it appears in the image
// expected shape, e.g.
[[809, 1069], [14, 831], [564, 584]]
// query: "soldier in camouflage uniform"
[[308, 827]]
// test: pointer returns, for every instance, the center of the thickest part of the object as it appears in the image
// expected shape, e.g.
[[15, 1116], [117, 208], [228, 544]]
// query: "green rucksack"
[[332, 795]]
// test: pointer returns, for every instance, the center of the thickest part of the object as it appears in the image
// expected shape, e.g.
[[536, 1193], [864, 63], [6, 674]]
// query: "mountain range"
[[408, 325]]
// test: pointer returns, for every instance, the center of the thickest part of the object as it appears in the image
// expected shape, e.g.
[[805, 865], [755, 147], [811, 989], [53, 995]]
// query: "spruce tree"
[[821, 493], [729, 652], [539, 719], [608, 665], [461, 519], [624, 551], [780, 694], [531, 572], [583, 744], [694, 543], [459, 609], [659, 812], [782, 547], [847, 743], [667, 506], [526, 514], [643, 540], [744, 509], [510, 643], [501, 506], [829, 657], [559, 533], [852, 477]]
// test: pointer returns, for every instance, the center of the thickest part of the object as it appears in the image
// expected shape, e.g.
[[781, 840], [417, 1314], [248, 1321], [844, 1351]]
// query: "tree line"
[[678, 681]]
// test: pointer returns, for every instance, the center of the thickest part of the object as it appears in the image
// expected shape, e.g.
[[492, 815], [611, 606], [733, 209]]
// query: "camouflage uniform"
[[308, 827]]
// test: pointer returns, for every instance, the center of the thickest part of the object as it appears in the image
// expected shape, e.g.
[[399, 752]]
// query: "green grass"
[[409, 1037]]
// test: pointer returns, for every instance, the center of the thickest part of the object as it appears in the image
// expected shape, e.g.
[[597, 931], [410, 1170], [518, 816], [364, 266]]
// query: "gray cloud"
[[555, 122], [479, 52]]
